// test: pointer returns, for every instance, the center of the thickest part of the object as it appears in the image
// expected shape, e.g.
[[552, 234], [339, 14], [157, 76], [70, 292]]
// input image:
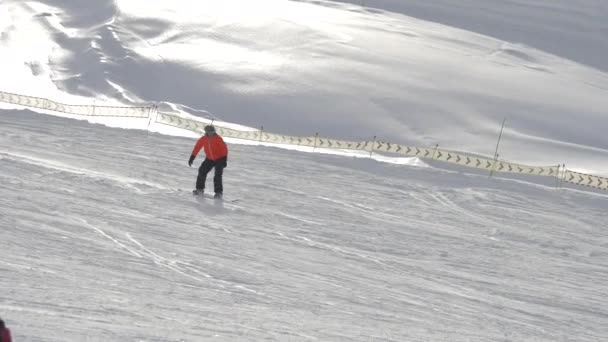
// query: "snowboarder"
[[5, 333], [216, 156]]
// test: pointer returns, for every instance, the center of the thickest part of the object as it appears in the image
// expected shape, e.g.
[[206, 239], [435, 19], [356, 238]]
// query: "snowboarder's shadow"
[[211, 206]]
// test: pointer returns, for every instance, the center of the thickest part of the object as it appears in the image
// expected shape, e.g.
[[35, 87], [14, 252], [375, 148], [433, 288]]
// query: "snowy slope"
[[575, 30], [100, 244], [338, 69], [101, 240]]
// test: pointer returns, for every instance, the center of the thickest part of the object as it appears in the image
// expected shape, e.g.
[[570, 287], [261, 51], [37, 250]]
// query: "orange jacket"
[[214, 146]]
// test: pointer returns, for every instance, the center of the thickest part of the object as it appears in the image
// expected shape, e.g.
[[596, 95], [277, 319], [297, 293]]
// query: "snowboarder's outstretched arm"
[[197, 148]]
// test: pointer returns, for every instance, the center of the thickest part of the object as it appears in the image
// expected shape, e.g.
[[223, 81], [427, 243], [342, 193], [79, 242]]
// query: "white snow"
[[100, 238]]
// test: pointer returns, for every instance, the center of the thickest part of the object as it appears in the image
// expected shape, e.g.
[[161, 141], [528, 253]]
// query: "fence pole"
[[155, 111], [372, 148], [261, 133], [494, 165], [150, 116], [435, 152], [502, 127]]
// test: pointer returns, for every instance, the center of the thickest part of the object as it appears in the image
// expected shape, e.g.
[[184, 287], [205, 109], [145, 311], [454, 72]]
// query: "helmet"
[[209, 129]]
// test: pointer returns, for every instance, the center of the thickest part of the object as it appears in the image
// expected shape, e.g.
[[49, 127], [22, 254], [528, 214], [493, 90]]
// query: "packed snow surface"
[[101, 239]]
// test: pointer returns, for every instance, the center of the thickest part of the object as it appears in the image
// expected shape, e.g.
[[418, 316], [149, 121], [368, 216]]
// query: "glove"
[[190, 161], [223, 162]]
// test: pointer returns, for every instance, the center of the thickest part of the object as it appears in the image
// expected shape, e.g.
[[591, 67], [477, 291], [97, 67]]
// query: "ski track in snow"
[[100, 240]]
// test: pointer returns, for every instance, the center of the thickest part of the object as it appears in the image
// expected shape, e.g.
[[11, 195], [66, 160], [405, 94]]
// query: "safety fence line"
[[84, 110], [559, 172], [584, 179], [493, 165]]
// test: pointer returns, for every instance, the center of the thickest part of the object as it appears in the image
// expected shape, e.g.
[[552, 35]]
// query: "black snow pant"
[[206, 166]]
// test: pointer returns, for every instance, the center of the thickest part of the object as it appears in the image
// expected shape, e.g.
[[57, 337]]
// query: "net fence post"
[[371, 151], [502, 127], [150, 111], [494, 165], [261, 133]]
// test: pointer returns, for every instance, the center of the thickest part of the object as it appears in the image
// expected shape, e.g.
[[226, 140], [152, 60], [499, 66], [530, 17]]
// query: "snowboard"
[[210, 197]]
